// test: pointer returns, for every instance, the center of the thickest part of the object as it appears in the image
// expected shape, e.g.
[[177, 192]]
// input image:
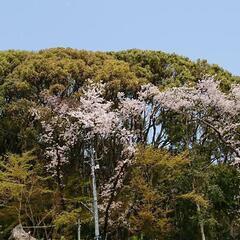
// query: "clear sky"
[[206, 29]]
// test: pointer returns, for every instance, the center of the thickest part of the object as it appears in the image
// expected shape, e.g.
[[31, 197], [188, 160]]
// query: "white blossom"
[[94, 113]]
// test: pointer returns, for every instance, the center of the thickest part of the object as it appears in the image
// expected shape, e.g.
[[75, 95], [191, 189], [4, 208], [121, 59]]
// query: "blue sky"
[[206, 29]]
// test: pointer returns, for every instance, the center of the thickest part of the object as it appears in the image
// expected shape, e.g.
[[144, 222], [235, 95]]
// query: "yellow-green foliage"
[[14, 173], [162, 161], [155, 172], [67, 218], [195, 198]]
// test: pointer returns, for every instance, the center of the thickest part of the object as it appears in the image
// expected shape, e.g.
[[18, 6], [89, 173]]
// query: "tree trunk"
[[201, 224], [95, 203]]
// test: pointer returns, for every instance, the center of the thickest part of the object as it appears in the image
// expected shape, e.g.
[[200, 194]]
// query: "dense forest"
[[163, 131]]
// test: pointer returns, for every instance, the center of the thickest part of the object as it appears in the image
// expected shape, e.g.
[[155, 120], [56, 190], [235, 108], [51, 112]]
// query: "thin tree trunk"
[[201, 223], [95, 203]]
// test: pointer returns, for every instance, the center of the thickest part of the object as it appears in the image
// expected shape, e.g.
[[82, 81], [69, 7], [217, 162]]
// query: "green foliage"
[[170, 69], [14, 174], [153, 176], [195, 198], [23, 194], [66, 218]]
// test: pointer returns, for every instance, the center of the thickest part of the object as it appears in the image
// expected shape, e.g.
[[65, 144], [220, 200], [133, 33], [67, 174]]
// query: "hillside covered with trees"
[[164, 133]]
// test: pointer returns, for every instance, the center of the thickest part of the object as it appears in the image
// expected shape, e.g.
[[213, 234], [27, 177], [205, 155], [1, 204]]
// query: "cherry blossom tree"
[[100, 122], [207, 104], [94, 121]]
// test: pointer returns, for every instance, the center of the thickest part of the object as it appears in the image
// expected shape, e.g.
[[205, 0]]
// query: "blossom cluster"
[[94, 113], [58, 137]]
